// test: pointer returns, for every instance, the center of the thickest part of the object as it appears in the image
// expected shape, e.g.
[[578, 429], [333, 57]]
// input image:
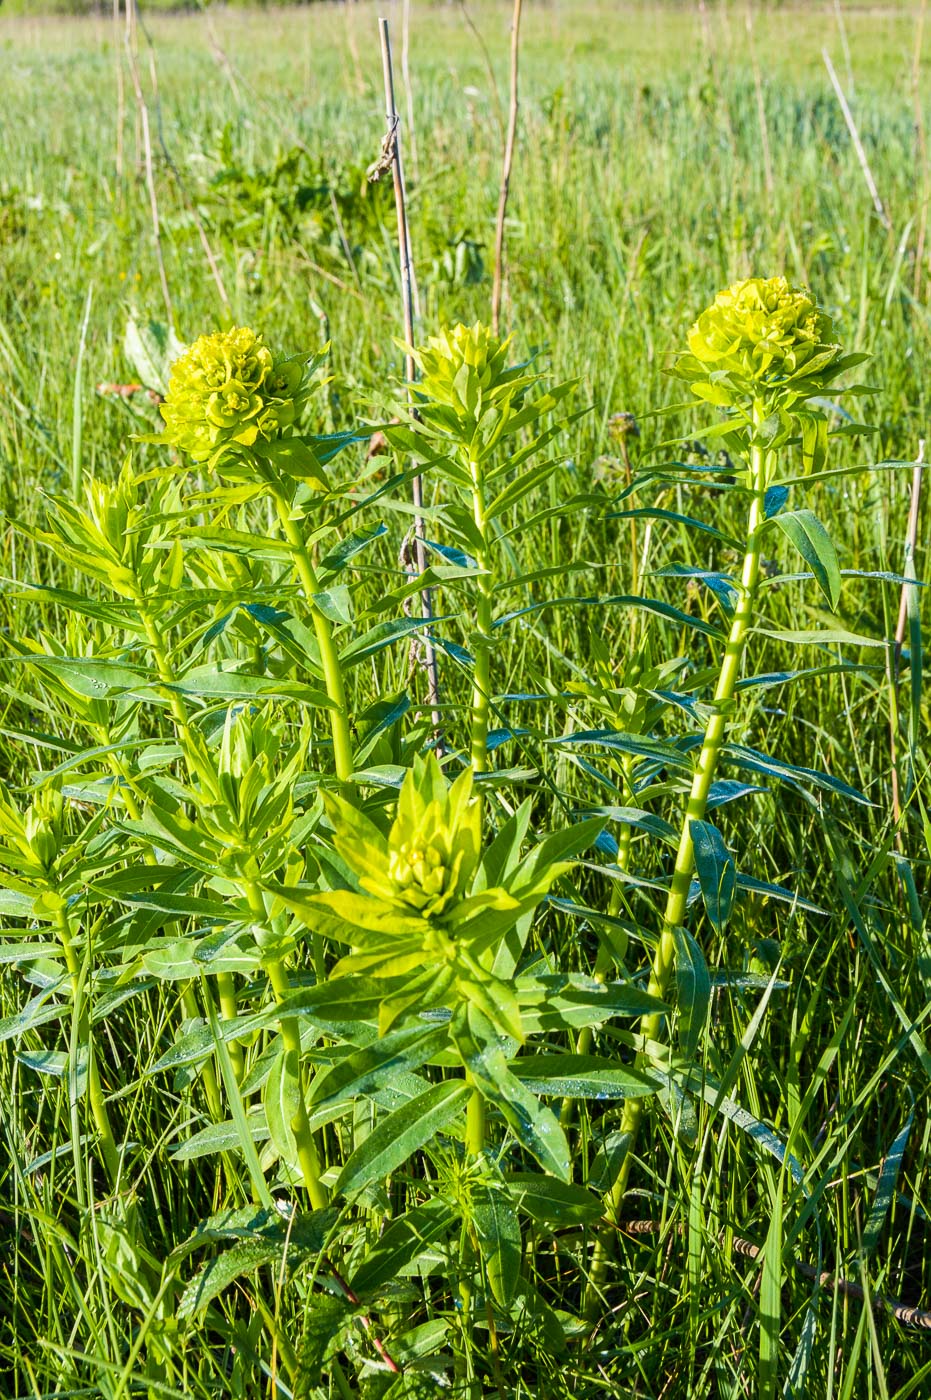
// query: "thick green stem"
[[664, 957], [291, 1037], [481, 685], [95, 1095], [329, 656]]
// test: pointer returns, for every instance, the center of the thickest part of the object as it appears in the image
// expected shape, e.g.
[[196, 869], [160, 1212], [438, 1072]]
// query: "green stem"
[[199, 765], [329, 656], [475, 1125], [664, 957], [95, 1094], [291, 1038], [481, 686]]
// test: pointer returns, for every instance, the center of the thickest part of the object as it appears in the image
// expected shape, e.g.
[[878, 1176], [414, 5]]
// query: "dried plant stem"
[[142, 113], [507, 164], [911, 540], [393, 151], [844, 43], [921, 151], [677, 898], [857, 143]]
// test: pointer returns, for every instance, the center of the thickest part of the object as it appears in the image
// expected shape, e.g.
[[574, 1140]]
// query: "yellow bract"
[[763, 328], [228, 389]]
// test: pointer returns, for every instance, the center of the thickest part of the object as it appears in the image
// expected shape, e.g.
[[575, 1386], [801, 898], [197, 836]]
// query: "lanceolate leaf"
[[693, 986], [535, 1127], [816, 547], [582, 1077], [401, 1134], [498, 1233], [401, 1244], [717, 874]]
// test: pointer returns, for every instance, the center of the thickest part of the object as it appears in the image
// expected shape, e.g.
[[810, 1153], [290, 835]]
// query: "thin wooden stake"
[[911, 539], [142, 113], [392, 155], [506, 172], [921, 150], [857, 143]]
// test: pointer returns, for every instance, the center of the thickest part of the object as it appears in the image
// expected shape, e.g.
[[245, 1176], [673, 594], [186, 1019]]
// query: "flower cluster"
[[431, 852], [765, 331], [228, 391]]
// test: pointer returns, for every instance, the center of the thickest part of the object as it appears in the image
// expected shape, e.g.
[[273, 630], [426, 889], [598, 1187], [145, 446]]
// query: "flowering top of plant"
[[469, 398], [464, 365], [433, 846], [763, 339], [427, 915], [226, 391], [429, 856]]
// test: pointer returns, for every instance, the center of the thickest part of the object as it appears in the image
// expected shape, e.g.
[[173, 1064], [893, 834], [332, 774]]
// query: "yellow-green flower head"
[[227, 391], [426, 863], [433, 844], [465, 370], [43, 826], [767, 332]]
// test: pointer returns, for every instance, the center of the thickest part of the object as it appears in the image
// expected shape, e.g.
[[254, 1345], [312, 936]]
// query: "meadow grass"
[[639, 189]]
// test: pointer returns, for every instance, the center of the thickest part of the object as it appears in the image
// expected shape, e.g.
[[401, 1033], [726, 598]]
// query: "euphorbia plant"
[[762, 352], [478, 428]]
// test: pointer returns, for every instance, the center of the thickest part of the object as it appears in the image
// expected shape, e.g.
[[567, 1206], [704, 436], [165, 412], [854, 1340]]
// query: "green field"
[[149, 936]]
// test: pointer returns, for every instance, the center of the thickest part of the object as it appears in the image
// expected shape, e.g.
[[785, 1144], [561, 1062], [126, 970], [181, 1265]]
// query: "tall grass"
[[639, 189]]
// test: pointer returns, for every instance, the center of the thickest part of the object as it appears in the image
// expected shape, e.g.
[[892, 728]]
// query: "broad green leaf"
[[536, 1127], [195, 1045], [182, 960], [814, 544], [582, 1077], [497, 1230], [401, 1134], [281, 1098], [401, 1244], [551, 1201], [374, 1065], [383, 635], [717, 873], [221, 1137], [693, 992], [572, 1000], [244, 1257], [773, 767]]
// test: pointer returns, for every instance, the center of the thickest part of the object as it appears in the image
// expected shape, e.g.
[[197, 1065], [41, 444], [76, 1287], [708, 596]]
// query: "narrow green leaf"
[[717, 873], [401, 1244], [693, 987], [401, 1134], [582, 1077], [497, 1230], [803, 529]]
